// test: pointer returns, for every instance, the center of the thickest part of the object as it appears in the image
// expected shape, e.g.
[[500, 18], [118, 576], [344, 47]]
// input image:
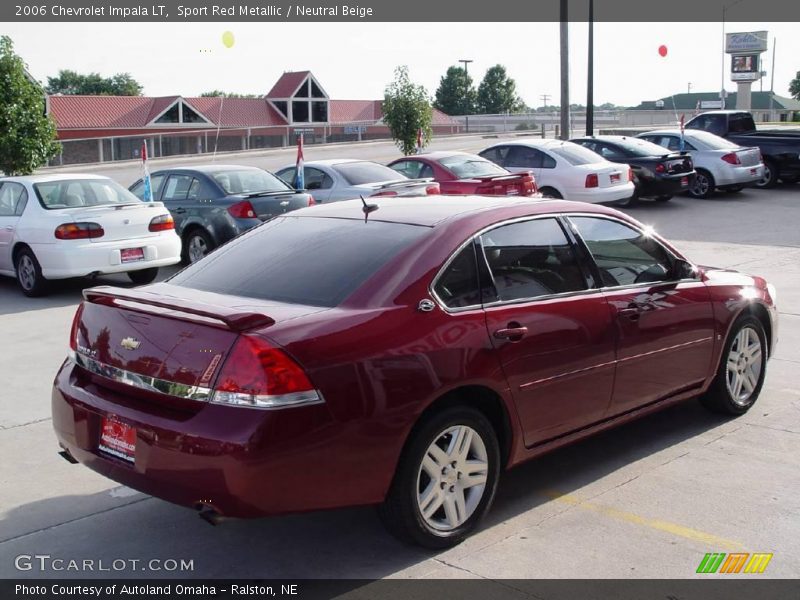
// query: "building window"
[[315, 91], [191, 116], [319, 112], [300, 111], [171, 116], [283, 107]]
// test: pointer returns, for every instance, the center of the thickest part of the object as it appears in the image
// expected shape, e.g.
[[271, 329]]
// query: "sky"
[[357, 60]]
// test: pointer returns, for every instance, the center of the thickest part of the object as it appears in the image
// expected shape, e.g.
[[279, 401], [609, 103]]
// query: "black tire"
[[664, 198], [549, 192], [192, 242], [720, 397], [702, 185], [29, 274], [790, 179], [770, 175], [144, 276], [733, 189], [401, 513]]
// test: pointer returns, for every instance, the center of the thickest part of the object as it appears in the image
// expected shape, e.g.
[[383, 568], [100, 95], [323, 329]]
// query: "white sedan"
[[565, 170], [60, 226], [718, 163]]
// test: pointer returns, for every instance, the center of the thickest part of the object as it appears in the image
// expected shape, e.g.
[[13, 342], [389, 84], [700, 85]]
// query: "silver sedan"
[[718, 162], [347, 179]]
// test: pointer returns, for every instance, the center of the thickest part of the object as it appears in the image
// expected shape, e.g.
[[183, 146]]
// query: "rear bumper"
[[242, 462], [598, 195], [739, 175], [665, 186], [78, 260]]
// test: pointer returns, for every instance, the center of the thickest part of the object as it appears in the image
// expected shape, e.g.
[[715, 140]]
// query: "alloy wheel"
[[452, 478], [700, 185], [198, 248], [744, 364], [26, 272]]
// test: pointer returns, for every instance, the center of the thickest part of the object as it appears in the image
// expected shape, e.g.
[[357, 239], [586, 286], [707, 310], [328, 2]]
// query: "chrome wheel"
[[452, 478], [701, 186], [744, 365], [26, 272], [198, 248]]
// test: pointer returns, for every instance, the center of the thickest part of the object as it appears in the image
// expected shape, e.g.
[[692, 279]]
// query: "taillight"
[[258, 375], [311, 201], [384, 193], [592, 180], [630, 174], [79, 231], [731, 158], [661, 168], [73, 332], [529, 185], [162, 223], [242, 210], [432, 189]]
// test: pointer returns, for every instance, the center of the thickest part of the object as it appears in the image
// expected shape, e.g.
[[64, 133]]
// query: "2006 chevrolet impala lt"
[[399, 354]]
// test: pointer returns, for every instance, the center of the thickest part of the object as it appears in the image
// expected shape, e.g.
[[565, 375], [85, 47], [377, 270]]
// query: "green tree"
[[456, 94], [497, 93], [93, 84], [794, 87], [27, 134], [406, 110], [221, 94]]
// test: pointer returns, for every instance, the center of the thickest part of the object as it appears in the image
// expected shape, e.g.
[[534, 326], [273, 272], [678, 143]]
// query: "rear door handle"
[[285, 203], [633, 311], [179, 211], [9, 228], [511, 333]]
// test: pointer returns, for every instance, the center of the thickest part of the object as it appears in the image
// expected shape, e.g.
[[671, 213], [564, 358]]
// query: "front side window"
[[177, 187], [531, 259], [155, 183], [624, 255], [496, 154]]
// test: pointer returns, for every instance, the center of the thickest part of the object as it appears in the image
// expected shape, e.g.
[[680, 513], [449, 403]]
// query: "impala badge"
[[130, 343]]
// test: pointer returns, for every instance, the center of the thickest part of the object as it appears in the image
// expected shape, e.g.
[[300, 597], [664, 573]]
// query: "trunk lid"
[[119, 221], [608, 174]]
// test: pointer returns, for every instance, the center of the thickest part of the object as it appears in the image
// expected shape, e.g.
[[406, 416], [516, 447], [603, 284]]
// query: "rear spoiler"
[[488, 178], [233, 319], [405, 183]]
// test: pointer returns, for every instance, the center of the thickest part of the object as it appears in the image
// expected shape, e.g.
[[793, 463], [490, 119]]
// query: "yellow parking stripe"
[[657, 524]]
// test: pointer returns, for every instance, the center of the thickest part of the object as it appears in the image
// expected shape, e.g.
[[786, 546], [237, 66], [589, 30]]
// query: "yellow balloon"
[[228, 39]]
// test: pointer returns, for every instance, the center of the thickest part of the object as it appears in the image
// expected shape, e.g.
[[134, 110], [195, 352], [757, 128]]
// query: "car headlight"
[[773, 293]]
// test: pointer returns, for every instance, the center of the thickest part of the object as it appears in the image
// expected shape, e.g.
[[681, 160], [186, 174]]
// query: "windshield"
[[77, 193], [471, 166], [359, 173], [711, 141], [639, 147], [311, 261], [575, 154], [248, 181]]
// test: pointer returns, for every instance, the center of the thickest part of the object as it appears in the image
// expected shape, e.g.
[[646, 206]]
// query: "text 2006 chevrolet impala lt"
[[399, 354]]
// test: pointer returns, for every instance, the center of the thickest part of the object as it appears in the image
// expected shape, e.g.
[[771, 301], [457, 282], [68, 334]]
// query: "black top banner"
[[399, 11]]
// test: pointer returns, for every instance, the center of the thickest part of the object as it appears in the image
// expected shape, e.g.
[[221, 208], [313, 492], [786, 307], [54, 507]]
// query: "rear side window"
[[301, 260], [497, 154], [740, 123], [457, 286], [531, 259], [13, 199]]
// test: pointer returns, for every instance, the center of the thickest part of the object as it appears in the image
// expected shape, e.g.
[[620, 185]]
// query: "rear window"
[[575, 154], [77, 193], [301, 260], [465, 167], [248, 181], [639, 147], [359, 173]]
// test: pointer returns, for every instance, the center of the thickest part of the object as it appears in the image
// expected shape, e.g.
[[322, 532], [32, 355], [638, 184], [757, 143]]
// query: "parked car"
[[780, 149], [345, 179], [212, 204], [656, 174], [418, 348], [462, 173], [564, 170], [61, 226], [718, 163]]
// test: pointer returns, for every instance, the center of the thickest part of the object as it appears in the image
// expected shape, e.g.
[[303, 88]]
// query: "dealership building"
[[111, 128]]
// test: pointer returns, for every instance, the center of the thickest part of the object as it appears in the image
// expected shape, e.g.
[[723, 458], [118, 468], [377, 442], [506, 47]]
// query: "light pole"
[[590, 77], [466, 62], [564, 52]]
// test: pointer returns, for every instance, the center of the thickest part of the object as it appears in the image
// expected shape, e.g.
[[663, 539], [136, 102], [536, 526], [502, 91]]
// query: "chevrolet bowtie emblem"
[[130, 343]]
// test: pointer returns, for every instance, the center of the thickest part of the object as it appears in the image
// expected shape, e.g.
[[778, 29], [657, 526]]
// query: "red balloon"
[[662, 50]]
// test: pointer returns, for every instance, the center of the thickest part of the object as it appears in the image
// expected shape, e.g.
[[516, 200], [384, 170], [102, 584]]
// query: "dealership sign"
[[748, 41]]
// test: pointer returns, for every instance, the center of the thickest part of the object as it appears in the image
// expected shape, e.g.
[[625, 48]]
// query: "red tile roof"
[[159, 105], [287, 84], [98, 112], [237, 112], [344, 111]]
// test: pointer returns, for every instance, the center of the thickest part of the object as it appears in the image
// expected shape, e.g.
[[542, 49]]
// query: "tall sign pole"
[[564, 37], [590, 77]]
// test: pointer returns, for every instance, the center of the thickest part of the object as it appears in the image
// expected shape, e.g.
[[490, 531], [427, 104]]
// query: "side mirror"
[[682, 269]]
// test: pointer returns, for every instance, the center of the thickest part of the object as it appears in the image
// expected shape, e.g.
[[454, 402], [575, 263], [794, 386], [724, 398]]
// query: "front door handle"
[[179, 211], [633, 311], [9, 228], [285, 203], [512, 334]]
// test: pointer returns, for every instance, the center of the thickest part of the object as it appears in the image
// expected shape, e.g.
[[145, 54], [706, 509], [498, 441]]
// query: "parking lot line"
[[665, 526]]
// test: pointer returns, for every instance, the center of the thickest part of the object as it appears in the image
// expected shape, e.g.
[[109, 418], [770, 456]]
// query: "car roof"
[[329, 162], [210, 168], [439, 154], [533, 142], [47, 177], [431, 211]]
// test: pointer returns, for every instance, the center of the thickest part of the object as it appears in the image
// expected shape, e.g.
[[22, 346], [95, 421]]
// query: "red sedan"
[[462, 173], [420, 349]]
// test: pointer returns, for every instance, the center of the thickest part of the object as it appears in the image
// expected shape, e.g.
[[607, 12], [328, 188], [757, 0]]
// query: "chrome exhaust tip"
[[68, 457]]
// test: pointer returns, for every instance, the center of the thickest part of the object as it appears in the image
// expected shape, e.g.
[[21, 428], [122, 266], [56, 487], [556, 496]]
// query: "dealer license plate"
[[131, 254], [118, 440]]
